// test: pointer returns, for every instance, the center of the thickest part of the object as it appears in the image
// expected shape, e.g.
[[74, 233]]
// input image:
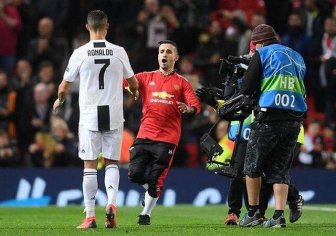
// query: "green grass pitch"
[[181, 220]]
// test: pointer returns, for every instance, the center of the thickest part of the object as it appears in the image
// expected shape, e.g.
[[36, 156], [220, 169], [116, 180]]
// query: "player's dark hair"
[[169, 42], [97, 19]]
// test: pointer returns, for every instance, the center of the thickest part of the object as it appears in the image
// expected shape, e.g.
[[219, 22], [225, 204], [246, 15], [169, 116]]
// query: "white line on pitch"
[[313, 208]]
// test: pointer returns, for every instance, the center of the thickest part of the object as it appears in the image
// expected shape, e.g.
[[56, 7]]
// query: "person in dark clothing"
[[46, 47], [275, 76], [237, 189], [212, 47]]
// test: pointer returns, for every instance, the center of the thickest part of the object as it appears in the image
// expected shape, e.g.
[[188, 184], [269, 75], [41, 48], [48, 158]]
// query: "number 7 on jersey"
[[106, 63]]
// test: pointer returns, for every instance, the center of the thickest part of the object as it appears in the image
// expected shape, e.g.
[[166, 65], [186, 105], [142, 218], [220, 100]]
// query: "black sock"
[[277, 214], [253, 210]]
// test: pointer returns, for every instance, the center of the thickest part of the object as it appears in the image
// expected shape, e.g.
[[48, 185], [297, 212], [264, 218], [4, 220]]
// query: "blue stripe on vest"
[[283, 100]]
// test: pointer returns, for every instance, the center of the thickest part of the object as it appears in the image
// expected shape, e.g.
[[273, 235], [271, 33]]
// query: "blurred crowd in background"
[[37, 38]]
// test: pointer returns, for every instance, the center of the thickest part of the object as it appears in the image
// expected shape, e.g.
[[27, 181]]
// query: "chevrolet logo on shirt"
[[162, 95]]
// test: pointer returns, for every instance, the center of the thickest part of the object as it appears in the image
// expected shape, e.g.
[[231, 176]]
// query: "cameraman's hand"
[[217, 93], [204, 96]]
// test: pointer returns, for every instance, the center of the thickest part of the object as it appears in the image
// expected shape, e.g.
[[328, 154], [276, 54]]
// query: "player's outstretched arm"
[[63, 89], [133, 86]]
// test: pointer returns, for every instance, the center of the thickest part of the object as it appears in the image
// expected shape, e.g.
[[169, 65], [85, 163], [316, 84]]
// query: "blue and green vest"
[[282, 81]]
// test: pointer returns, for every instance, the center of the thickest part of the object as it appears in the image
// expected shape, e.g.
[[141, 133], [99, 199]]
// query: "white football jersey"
[[101, 67]]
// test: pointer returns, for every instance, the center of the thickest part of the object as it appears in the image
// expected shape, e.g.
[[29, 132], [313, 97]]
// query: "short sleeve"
[[127, 69], [72, 70]]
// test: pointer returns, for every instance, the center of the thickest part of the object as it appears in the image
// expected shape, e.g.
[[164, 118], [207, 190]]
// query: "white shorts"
[[92, 143]]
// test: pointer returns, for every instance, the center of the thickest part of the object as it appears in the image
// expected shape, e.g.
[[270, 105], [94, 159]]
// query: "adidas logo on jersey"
[[83, 151], [152, 83]]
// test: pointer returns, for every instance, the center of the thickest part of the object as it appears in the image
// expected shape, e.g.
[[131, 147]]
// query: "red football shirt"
[[161, 118]]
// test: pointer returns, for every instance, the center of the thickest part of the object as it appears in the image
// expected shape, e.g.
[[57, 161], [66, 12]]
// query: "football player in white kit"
[[101, 67]]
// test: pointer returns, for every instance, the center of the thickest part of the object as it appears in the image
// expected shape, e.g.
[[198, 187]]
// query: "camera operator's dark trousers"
[[270, 150], [237, 187], [266, 190]]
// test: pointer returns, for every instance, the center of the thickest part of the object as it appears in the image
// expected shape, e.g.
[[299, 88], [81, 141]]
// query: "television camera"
[[235, 108]]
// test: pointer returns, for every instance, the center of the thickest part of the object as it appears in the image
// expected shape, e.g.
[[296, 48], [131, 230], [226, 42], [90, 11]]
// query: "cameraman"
[[276, 74], [237, 187]]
